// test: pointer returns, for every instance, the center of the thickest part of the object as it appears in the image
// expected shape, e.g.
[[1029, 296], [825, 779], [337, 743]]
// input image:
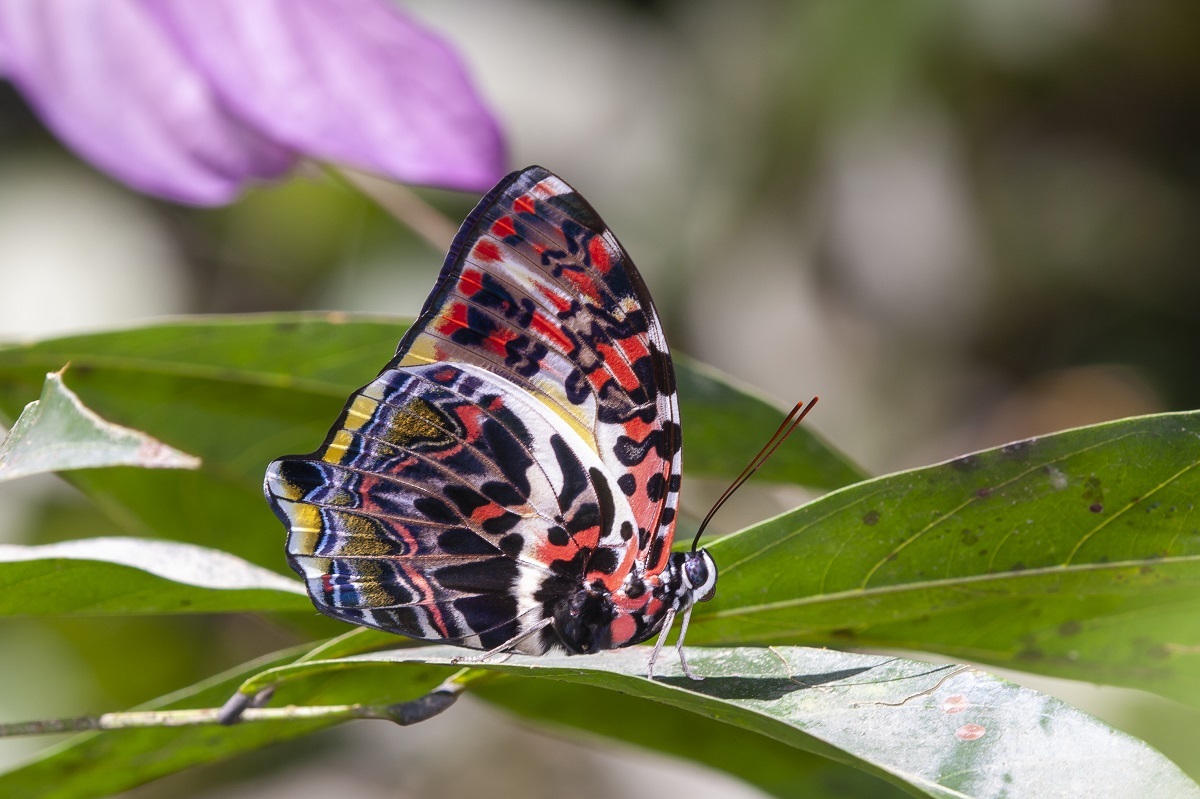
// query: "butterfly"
[[510, 481]]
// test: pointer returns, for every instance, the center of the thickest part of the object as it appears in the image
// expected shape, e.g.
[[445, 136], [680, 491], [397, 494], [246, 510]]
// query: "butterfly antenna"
[[785, 429]]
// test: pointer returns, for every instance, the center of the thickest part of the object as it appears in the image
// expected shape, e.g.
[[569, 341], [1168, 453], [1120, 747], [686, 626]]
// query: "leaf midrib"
[[966, 580]]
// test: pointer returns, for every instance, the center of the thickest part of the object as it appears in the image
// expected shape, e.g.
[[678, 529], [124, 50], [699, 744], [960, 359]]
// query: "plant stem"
[[403, 204], [404, 713]]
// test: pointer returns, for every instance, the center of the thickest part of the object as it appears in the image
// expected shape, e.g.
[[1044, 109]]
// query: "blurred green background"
[[960, 222]]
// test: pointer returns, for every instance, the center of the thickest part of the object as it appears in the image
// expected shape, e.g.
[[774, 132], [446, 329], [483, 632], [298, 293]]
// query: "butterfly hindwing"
[[444, 505]]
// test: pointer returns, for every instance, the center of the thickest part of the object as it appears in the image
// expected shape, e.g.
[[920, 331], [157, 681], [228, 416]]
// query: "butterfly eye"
[[701, 574]]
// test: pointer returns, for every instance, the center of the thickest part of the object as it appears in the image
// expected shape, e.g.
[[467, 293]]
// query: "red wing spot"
[[551, 331], [469, 415], [641, 507], [625, 377], [487, 512], [598, 378], [549, 553], [645, 606], [416, 578], [524, 205], [445, 375], [409, 542], [637, 429], [504, 227], [970, 732], [622, 628], [499, 340], [450, 322], [470, 282], [627, 606], [633, 347], [561, 303], [327, 584], [599, 254], [588, 539], [582, 282], [487, 251], [955, 704]]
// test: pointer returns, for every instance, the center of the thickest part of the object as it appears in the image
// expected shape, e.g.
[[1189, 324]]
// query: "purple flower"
[[190, 99]]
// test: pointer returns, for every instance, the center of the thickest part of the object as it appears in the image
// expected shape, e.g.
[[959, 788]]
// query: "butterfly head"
[[699, 574]]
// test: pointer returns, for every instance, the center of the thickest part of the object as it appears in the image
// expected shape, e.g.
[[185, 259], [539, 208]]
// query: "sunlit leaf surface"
[[1076, 554], [124, 576], [939, 730], [57, 432]]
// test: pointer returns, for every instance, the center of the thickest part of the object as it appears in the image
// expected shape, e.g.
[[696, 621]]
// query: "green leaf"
[[121, 576], [102, 764], [586, 713], [1076, 555], [58, 432], [944, 731], [232, 389], [239, 391], [725, 424], [97, 764]]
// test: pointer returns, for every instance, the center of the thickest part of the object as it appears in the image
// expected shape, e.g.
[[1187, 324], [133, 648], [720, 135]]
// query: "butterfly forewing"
[[538, 290], [447, 506]]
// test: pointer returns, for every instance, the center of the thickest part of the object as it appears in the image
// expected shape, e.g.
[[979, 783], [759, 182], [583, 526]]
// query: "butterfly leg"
[[505, 647], [687, 616], [668, 620]]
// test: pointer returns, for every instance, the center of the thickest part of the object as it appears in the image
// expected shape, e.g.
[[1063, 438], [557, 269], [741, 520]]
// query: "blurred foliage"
[[1069, 129]]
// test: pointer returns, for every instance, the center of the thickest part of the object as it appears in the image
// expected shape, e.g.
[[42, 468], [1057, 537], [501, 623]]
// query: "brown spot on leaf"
[[871, 518], [1096, 507], [970, 732], [967, 463], [1017, 447], [1072, 627]]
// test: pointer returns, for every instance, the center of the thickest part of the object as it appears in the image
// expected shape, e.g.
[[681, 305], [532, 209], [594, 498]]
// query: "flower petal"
[[110, 81], [348, 81]]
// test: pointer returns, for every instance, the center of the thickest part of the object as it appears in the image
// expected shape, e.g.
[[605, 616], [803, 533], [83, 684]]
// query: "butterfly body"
[[510, 479]]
